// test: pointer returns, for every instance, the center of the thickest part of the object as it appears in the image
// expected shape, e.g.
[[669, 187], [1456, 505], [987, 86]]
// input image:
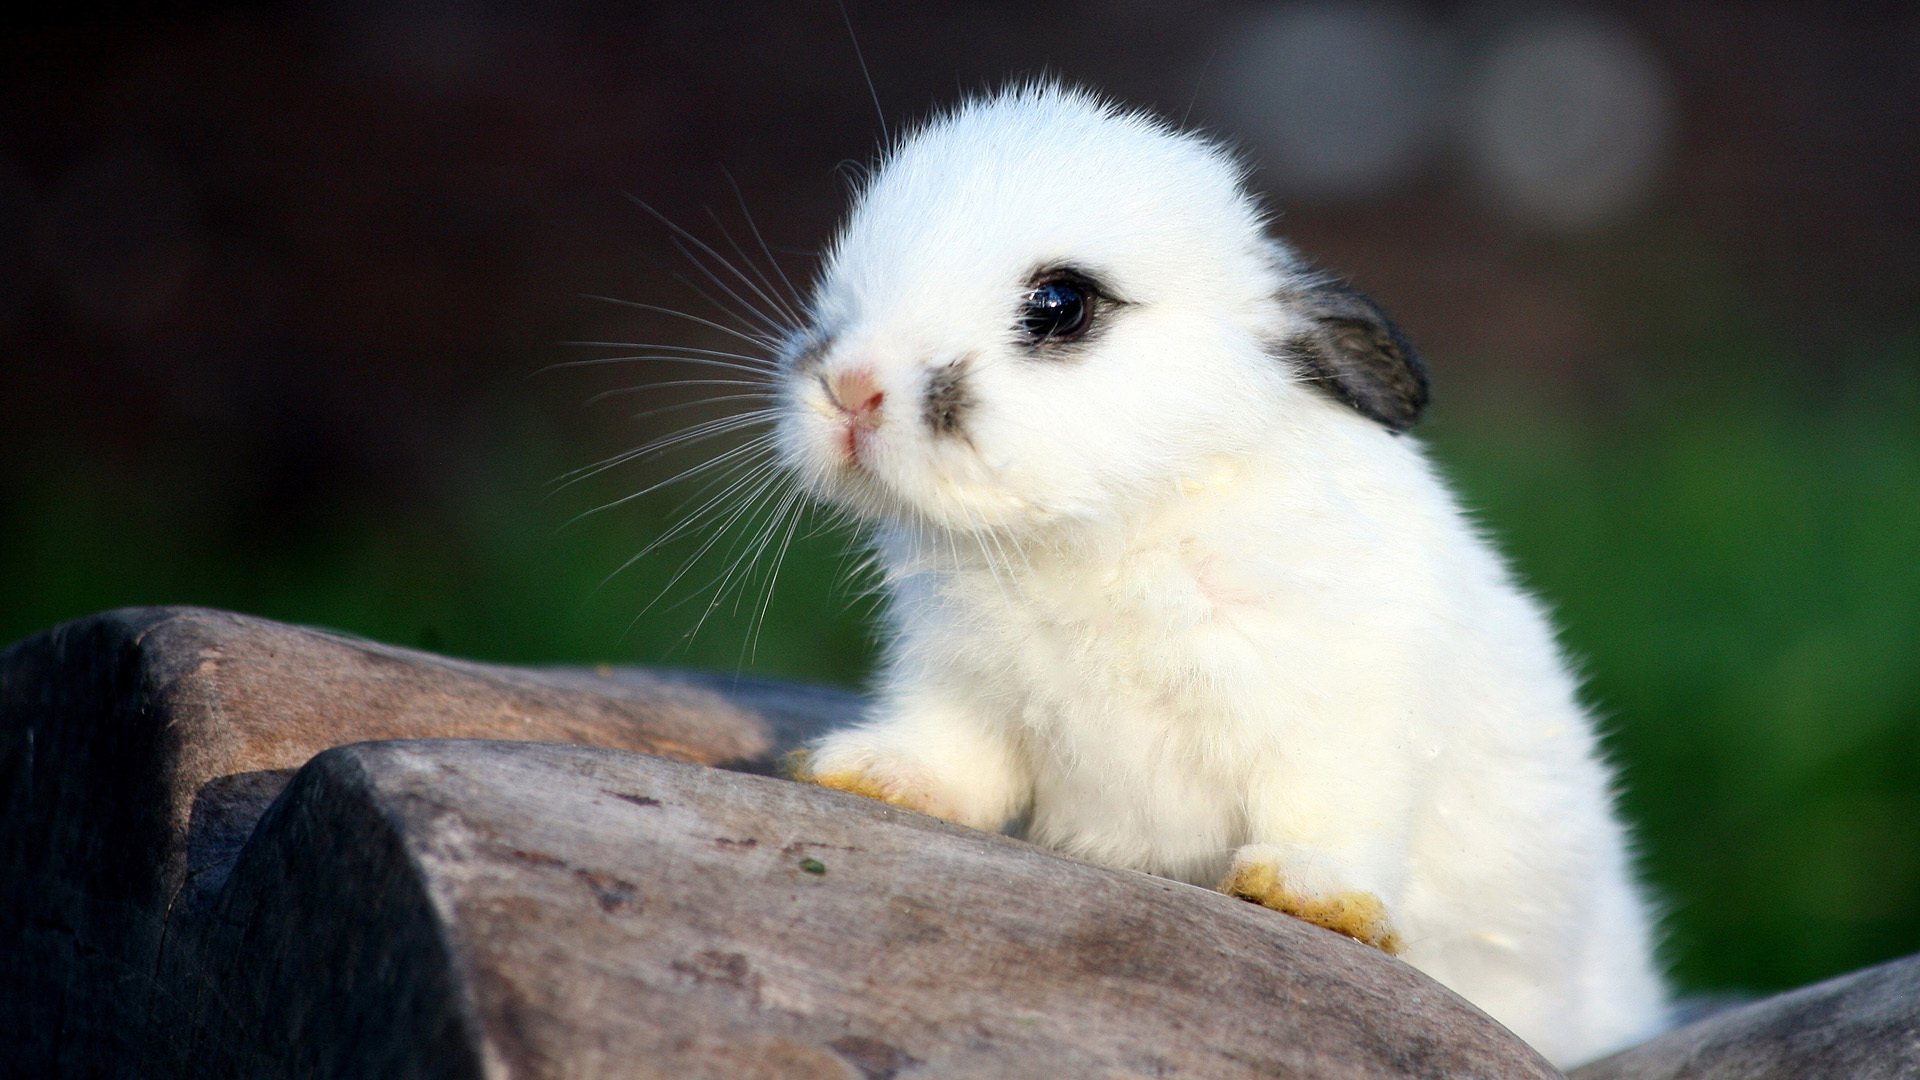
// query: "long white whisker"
[[759, 324], [690, 361], [777, 326], [717, 257], [767, 322], [765, 393], [715, 586], [758, 443], [770, 292], [862, 57], [745, 508], [760, 341], [689, 349], [788, 513], [693, 432], [719, 530], [685, 520], [761, 476], [706, 429], [1002, 542], [773, 579], [983, 538], [953, 550], [754, 474], [765, 538], [740, 555], [799, 300]]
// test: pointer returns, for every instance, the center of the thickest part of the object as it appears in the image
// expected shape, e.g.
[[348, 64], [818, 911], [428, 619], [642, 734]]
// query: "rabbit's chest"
[[1145, 689], [1177, 629], [1141, 718]]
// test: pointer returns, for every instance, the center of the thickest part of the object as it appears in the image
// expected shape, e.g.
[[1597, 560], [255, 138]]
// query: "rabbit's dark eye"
[[1056, 310]]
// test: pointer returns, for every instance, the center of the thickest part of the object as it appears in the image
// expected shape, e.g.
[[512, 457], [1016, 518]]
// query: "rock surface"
[[191, 892], [1863, 1026], [615, 915], [139, 747]]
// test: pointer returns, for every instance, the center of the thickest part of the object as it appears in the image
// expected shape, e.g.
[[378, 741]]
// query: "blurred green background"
[[277, 285]]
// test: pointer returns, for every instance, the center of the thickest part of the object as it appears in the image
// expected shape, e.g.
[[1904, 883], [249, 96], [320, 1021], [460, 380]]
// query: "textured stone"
[[138, 748], [477, 905], [463, 908], [190, 891], [1863, 1026]]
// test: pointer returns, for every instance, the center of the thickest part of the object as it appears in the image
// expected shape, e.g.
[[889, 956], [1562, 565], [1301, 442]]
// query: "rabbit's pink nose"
[[855, 393]]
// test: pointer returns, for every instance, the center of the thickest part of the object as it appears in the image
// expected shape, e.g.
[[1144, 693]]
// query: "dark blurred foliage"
[[277, 285]]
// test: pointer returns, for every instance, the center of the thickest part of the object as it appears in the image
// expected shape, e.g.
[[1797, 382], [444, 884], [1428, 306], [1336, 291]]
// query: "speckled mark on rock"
[[876, 1060], [720, 968], [536, 858], [616, 896]]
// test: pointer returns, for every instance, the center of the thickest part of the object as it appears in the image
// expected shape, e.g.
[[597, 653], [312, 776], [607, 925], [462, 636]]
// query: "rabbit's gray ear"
[[1348, 347]]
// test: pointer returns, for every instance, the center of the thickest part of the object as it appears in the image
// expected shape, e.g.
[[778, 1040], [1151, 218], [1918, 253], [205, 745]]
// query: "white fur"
[[1168, 603]]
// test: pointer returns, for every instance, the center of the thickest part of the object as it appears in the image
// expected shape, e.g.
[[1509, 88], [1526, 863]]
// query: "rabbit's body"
[[1419, 740], [1165, 582]]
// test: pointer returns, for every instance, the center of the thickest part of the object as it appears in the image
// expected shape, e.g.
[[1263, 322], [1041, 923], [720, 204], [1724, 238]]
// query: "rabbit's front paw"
[[1266, 875], [888, 778]]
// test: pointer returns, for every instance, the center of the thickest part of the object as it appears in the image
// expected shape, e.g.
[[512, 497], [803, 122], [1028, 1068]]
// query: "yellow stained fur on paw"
[[1361, 916], [857, 783], [798, 765]]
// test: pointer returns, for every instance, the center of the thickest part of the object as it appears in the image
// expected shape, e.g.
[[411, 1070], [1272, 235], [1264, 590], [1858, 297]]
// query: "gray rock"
[[138, 748], [456, 908], [1863, 1026], [489, 906], [191, 891]]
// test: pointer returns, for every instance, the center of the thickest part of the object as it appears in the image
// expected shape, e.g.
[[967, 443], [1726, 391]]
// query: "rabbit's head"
[[1044, 309]]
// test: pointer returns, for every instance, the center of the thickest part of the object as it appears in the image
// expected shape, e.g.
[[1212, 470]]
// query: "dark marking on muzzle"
[[947, 397]]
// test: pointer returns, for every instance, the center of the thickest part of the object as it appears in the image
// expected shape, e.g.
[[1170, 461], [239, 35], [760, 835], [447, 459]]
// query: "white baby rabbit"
[[1166, 581]]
